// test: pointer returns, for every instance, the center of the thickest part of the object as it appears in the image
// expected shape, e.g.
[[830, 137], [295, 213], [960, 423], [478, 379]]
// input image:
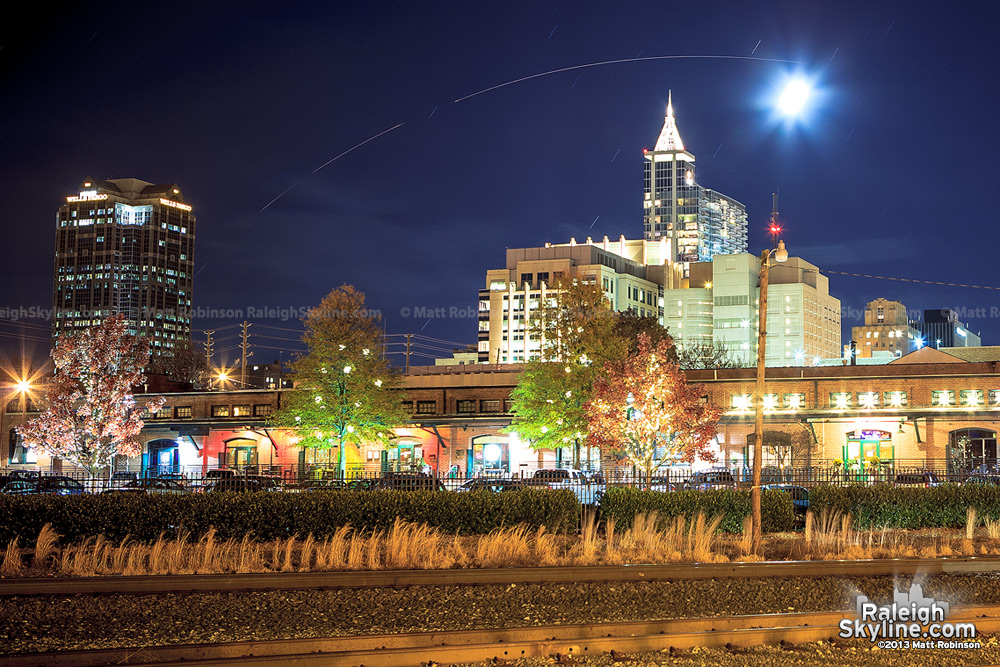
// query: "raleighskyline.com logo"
[[911, 621]]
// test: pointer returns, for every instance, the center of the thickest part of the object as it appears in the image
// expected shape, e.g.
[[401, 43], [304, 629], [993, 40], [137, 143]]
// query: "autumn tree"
[[92, 414], [643, 407], [345, 391], [577, 332]]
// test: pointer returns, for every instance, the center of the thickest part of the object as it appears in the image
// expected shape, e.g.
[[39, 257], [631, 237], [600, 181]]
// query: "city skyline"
[[356, 166]]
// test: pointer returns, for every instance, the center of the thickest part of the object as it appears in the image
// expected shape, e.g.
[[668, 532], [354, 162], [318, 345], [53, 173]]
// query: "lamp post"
[[22, 387], [780, 255]]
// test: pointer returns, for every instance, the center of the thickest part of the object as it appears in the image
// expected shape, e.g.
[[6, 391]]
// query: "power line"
[[908, 280]]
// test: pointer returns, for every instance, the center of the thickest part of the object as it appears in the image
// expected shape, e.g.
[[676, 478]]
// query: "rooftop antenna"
[[774, 229]]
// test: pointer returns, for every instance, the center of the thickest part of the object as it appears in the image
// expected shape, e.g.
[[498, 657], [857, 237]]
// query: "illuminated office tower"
[[699, 222], [125, 246]]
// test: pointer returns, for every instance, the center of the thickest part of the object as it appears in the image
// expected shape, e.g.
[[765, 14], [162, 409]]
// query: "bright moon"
[[794, 97]]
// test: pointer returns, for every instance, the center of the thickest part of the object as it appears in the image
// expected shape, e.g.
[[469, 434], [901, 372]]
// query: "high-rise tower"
[[125, 246], [699, 222]]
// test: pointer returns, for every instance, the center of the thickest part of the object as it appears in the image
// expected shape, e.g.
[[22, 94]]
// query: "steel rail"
[[501, 576], [401, 650]]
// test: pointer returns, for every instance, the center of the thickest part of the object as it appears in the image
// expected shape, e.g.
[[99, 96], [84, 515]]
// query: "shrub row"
[[272, 515], [733, 506], [911, 508]]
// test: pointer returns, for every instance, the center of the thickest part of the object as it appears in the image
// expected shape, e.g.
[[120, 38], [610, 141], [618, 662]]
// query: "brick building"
[[928, 409]]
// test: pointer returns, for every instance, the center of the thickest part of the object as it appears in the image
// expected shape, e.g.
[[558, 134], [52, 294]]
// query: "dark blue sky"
[[891, 174]]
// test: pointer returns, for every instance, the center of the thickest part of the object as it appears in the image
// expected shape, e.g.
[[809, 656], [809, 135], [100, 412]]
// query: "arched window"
[[489, 453], [240, 453], [970, 448]]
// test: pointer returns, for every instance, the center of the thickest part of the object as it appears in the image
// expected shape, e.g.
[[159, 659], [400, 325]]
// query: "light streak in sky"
[[617, 62], [330, 161]]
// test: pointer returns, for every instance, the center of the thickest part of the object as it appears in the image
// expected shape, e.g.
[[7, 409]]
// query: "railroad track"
[[502, 576], [406, 650]]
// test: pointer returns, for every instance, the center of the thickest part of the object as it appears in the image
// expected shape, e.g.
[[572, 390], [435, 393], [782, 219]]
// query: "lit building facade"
[[125, 246], [886, 329], [942, 328], [719, 306], [847, 423], [700, 223], [632, 274]]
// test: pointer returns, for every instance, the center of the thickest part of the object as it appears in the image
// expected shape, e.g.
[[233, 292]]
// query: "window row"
[[867, 400]]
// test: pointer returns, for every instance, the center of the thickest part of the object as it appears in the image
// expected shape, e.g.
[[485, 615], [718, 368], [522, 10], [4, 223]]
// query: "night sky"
[[891, 172]]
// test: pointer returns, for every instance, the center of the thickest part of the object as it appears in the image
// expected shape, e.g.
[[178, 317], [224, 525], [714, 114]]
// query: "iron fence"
[[584, 483]]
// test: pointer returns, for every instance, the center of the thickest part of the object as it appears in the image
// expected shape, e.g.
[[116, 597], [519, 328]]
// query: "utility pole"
[[408, 337], [244, 355], [209, 347]]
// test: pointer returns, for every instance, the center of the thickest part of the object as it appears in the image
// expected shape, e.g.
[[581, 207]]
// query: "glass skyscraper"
[[699, 222]]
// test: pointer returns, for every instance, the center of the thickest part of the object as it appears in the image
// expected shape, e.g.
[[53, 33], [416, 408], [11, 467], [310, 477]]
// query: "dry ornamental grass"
[[650, 539]]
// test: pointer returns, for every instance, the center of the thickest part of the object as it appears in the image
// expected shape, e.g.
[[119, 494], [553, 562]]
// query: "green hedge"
[[883, 505], [734, 506], [271, 515]]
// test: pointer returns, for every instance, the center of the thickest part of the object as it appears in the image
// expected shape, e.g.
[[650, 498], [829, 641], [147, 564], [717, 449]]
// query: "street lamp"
[[24, 388], [780, 255]]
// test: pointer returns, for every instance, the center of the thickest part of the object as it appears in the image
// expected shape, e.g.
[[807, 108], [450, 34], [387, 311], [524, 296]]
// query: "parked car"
[[586, 490], [799, 494], [156, 485], [55, 485], [267, 482], [234, 485], [416, 481], [488, 484], [662, 484], [318, 485], [924, 479], [710, 479], [120, 479], [982, 480], [18, 475]]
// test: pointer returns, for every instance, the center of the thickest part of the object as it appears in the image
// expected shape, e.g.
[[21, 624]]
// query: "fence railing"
[[294, 477]]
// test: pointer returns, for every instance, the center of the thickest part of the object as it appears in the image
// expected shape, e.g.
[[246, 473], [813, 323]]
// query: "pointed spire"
[[670, 138]]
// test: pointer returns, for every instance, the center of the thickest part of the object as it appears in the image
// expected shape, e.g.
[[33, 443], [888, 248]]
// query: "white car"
[[588, 488]]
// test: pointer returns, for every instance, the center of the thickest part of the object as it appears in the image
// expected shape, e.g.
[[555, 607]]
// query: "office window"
[[426, 407], [491, 406], [508, 406], [262, 409], [220, 410], [407, 405], [241, 410], [465, 406], [182, 411]]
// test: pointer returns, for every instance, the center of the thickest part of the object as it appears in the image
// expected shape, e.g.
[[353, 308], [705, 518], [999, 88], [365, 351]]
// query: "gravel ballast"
[[53, 623]]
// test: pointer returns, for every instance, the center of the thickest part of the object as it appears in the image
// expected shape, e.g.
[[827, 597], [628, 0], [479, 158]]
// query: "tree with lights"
[[643, 407], [345, 391], [579, 333], [92, 414]]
